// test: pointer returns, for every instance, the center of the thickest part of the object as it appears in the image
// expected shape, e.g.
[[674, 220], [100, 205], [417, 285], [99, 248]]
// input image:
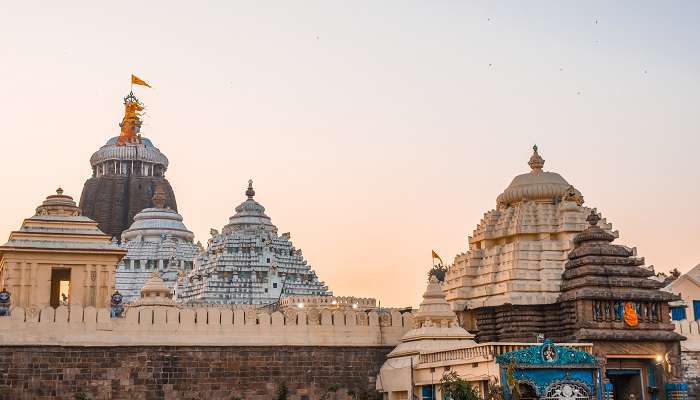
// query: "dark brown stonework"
[[113, 200], [518, 323], [250, 373]]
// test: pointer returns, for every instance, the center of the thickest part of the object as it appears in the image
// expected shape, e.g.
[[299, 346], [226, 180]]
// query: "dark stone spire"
[[610, 290]]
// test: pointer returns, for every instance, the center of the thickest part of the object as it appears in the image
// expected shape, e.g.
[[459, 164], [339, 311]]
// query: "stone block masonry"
[[182, 372]]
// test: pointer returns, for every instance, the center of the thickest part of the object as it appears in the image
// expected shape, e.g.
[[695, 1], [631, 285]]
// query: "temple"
[[59, 257], [516, 256], [249, 263], [125, 173], [543, 266], [157, 241]]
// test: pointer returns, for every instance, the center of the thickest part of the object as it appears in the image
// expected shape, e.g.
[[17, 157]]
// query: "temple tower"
[[507, 284], [249, 263], [608, 299], [125, 173]]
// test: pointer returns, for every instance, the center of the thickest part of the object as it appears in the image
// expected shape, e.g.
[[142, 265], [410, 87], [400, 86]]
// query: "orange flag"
[[435, 255], [135, 80]]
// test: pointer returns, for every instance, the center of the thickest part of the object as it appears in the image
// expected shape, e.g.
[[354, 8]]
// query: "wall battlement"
[[173, 326]]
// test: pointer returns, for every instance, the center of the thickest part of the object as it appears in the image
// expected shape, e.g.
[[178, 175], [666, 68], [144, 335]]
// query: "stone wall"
[[691, 372], [182, 372], [174, 326]]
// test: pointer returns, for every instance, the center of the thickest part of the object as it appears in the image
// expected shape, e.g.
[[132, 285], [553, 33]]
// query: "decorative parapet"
[[361, 303], [171, 326], [488, 351]]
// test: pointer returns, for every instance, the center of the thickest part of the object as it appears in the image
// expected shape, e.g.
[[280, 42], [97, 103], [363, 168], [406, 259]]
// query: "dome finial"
[[593, 218], [59, 191], [250, 192], [536, 161]]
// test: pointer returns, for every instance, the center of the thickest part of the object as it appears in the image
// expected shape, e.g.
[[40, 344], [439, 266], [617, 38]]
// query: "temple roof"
[[142, 150], [598, 269], [517, 252], [58, 224], [249, 214], [157, 221], [249, 263], [536, 185]]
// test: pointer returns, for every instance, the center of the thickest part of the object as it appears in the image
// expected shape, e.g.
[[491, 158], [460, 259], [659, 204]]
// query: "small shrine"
[[155, 293], [59, 257]]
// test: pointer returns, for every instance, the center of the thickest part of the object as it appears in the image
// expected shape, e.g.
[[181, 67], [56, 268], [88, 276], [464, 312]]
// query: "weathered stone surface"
[[250, 373], [113, 200], [690, 361]]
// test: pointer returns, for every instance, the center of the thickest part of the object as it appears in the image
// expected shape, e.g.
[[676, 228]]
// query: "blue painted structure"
[[549, 369]]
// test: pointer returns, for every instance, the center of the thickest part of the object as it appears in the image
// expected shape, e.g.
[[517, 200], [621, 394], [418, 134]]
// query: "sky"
[[374, 131]]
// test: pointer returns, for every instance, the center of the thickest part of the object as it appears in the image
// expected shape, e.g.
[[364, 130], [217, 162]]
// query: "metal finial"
[[536, 161], [593, 218], [250, 192], [59, 191]]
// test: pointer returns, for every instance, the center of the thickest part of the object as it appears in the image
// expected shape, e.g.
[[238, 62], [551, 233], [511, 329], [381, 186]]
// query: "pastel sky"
[[374, 131]]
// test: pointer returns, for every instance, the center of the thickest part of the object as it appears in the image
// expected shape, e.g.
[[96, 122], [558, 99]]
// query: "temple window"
[[619, 310], [678, 313]]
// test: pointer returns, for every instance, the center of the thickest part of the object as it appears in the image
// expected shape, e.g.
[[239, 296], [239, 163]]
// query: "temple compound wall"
[[183, 353], [189, 372]]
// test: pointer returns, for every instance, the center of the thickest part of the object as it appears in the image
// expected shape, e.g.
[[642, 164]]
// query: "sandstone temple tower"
[[125, 173]]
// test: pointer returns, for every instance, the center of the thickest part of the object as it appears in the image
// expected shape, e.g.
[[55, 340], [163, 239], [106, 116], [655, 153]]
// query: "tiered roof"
[[517, 252], [249, 263]]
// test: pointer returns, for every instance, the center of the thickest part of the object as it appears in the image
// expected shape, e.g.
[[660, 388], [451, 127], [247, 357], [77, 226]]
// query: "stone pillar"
[[78, 284]]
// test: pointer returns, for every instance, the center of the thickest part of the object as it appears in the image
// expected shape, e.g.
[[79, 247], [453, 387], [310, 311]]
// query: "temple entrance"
[[60, 287], [626, 383]]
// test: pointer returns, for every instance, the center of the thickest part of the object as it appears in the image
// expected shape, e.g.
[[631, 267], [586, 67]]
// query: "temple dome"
[[155, 293], [155, 222], [143, 150], [249, 213], [58, 204], [537, 185]]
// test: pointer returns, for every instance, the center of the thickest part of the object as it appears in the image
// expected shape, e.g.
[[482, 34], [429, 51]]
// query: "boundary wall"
[[174, 326]]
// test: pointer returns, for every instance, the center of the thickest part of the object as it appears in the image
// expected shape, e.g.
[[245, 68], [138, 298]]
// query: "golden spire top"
[[131, 123]]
